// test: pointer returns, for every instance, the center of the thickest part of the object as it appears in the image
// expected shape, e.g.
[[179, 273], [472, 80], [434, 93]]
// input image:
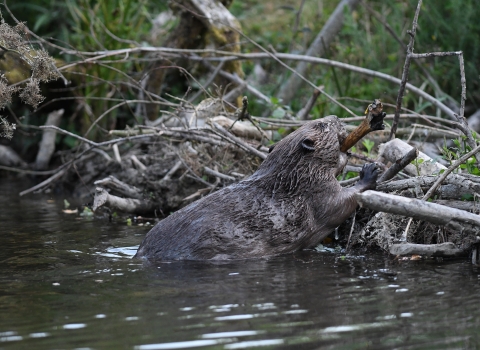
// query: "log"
[[452, 218]]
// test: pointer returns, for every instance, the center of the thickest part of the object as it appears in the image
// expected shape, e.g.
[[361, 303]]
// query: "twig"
[[349, 181], [172, 171], [239, 81], [399, 165], [192, 54], [326, 35], [303, 113], [351, 230], [367, 159], [138, 163], [406, 68], [212, 172], [116, 153], [44, 183], [208, 82], [235, 140], [242, 114], [62, 131], [425, 71], [463, 81]]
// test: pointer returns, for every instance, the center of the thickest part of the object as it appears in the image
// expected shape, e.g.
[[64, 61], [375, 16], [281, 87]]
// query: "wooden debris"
[[120, 187], [443, 249], [397, 149], [127, 205], [435, 213]]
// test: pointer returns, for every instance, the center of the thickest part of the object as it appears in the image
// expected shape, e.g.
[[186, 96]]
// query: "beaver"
[[293, 201]]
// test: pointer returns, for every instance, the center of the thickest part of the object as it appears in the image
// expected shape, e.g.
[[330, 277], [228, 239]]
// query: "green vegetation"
[[99, 89]]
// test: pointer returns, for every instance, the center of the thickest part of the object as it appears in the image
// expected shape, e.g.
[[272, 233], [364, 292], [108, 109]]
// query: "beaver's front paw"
[[368, 176]]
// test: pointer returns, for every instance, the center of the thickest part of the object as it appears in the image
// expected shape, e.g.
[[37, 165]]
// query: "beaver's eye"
[[308, 145], [270, 149]]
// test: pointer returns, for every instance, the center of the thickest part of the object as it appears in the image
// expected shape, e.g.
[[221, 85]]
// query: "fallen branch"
[[399, 165], [128, 205], [237, 141], [443, 176], [317, 48], [120, 187], [426, 182], [212, 172], [228, 56], [438, 250], [454, 219]]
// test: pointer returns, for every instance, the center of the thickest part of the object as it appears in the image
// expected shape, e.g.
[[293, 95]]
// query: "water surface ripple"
[[69, 283]]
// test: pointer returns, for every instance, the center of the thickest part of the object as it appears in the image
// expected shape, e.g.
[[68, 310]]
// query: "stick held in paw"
[[373, 121]]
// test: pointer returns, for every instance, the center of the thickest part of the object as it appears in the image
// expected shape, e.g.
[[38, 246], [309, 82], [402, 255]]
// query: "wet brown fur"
[[291, 202]]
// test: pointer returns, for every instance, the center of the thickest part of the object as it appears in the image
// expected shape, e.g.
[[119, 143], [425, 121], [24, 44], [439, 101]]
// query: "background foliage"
[[276, 24]]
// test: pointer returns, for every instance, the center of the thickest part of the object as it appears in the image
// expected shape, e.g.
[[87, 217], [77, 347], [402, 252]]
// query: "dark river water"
[[69, 282]]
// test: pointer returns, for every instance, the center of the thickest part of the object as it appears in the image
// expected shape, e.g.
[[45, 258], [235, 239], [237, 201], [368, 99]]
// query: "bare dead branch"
[[406, 69]]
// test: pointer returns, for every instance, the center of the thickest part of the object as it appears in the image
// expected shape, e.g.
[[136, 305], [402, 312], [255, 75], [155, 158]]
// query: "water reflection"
[[71, 283]]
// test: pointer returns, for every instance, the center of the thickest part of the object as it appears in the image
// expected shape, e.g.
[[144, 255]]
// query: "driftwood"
[[127, 205], [437, 214]]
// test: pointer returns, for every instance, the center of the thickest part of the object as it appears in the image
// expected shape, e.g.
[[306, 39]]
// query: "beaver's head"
[[309, 154]]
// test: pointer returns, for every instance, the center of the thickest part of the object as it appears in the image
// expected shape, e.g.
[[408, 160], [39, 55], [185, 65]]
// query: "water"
[[68, 282]]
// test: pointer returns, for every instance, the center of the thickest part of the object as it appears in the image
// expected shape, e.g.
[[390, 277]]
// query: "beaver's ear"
[[308, 145], [270, 149]]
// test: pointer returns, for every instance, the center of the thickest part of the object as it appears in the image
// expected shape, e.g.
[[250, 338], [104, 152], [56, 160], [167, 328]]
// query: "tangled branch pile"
[[180, 149]]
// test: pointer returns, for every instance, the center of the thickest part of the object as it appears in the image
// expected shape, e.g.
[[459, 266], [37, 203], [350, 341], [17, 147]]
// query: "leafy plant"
[[368, 144], [417, 161], [461, 148]]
